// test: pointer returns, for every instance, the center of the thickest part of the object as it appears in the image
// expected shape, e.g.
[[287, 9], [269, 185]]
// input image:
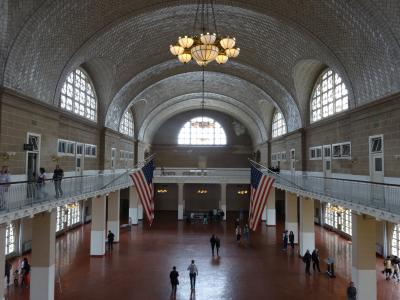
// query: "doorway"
[[327, 160], [376, 168], [33, 156], [79, 160], [293, 161]]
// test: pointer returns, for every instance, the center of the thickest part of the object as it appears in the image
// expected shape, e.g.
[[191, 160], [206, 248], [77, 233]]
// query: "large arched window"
[[202, 131], [396, 241], [77, 95], [278, 124], [126, 125], [330, 96]]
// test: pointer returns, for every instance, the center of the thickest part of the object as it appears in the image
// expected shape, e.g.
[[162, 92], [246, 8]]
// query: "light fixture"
[[336, 208], [72, 205], [162, 190], [202, 191], [205, 45], [242, 192]]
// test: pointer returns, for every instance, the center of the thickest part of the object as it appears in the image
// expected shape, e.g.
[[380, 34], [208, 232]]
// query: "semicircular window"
[[278, 124], [202, 131], [330, 96], [78, 97]]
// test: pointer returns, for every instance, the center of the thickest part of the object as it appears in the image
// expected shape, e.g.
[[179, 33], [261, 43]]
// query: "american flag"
[[260, 187], [143, 180]]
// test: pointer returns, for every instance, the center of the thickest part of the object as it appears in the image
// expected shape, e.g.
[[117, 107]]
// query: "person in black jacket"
[[173, 276], [58, 175], [110, 239], [217, 244], [291, 239], [307, 261], [212, 242], [351, 291], [315, 260]]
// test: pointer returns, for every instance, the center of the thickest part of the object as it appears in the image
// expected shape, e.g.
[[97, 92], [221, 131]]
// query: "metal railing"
[[223, 172], [18, 195]]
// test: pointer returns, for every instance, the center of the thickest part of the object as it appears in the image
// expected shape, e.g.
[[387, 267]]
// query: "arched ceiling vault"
[[130, 39]]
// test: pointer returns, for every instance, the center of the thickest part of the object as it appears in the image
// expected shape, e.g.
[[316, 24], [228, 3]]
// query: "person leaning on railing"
[[4, 180]]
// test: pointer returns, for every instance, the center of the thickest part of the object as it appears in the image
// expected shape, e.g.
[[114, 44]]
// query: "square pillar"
[[291, 215], [2, 258], [98, 230], [222, 202], [270, 209], [113, 214], [43, 255], [307, 232], [363, 256], [133, 205], [181, 201]]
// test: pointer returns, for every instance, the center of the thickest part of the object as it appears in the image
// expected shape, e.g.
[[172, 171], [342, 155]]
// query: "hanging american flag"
[[260, 187], [143, 180]]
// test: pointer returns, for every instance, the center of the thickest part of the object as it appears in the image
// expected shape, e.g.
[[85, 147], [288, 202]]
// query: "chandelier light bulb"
[[186, 41], [232, 52], [221, 58], [208, 38], [204, 53], [228, 42], [185, 57], [176, 49]]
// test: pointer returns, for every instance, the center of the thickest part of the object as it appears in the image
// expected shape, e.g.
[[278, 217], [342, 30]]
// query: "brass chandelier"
[[206, 46]]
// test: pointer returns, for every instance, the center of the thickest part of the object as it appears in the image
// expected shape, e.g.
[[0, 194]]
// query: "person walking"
[[212, 242], [173, 276], [307, 261], [217, 244], [315, 260], [388, 267], [395, 265], [4, 184], [7, 271], [130, 224], [25, 271], [291, 239], [193, 272], [40, 183], [285, 240], [238, 233], [58, 175], [110, 240], [351, 291], [246, 233]]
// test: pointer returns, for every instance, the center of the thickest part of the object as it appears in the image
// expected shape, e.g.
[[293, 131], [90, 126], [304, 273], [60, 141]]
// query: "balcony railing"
[[18, 195], [222, 172]]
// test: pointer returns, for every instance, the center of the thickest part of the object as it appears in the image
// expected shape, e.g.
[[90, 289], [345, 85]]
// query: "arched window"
[[330, 96], [278, 124], [126, 125], [396, 241], [202, 131], [77, 95], [10, 238]]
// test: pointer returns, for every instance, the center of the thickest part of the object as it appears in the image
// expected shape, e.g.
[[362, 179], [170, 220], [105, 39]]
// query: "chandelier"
[[202, 191], [205, 44], [336, 209]]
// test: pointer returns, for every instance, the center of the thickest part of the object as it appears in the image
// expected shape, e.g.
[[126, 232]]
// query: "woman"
[[41, 181]]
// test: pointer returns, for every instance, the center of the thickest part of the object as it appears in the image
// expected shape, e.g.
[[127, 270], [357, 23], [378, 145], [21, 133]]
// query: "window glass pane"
[[378, 164], [202, 131], [278, 124], [126, 125], [346, 150]]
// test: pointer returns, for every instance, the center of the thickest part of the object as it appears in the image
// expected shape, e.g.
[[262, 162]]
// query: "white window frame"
[[279, 127], [315, 151], [67, 143], [380, 136], [11, 242], [341, 155], [87, 146]]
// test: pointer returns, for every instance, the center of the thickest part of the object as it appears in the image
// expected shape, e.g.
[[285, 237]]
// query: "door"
[[327, 160], [79, 160], [376, 168], [293, 161], [32, 163]]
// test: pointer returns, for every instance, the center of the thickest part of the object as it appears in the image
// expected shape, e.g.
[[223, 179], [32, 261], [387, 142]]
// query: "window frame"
[[10, 242], [67, 143], [341, 154], [91, 146], [276, 118], [185, 136], [124, 124], [315, 150]]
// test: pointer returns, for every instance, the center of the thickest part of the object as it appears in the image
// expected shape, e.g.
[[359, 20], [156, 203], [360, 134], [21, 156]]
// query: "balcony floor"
[[139, 266]]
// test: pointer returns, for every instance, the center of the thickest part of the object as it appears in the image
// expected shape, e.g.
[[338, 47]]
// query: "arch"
[[78, 95], [278, 124]]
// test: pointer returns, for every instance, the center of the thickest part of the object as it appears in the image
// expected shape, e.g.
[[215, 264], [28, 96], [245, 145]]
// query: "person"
[[173, 276], [7, 271], [285, 240], [193, 272], [4, 184], [291, 239], [246, 233], [110, 239], [217, 244], [315, 260], [130, 224], [25, 270], [388, 267], [40, 182], [307, 261], [205, 220], [58, 175], [395, 265], [238, 233], [212, 242], [236, 223], [351, 291]]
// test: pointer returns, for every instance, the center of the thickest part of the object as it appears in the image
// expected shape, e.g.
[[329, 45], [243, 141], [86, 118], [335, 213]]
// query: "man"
[[307, 261], [7, 271], [110, 239], [130, 224], [315, 260], [173, 276], [212, 242], [192, 274], [285, 240], [351, 291], [58, 175], [217, 244], [291, 239]]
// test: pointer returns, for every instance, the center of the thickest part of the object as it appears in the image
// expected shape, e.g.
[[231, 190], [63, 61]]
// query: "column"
[[43, 255], [113, 214], [363, 256], [307, 233], [291, 214], [222, 202], [270, 209], [181, 201], [3, 258], [98, 231], [133, 205]]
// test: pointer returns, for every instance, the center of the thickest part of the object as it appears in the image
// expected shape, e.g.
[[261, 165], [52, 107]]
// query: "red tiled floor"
[[139, 266]]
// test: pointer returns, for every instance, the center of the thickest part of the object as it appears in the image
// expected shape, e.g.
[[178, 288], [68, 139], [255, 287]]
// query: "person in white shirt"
[[193, 272]]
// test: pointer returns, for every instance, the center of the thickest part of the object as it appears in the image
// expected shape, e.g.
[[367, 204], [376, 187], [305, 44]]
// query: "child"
[[16, 277]]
